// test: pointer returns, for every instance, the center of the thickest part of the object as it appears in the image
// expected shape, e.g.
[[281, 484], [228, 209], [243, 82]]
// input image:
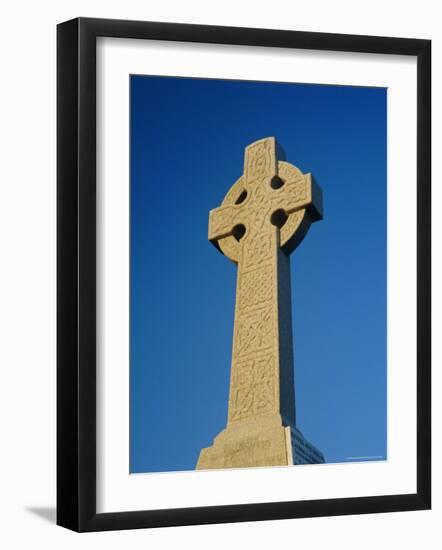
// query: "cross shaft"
[[263, 218]]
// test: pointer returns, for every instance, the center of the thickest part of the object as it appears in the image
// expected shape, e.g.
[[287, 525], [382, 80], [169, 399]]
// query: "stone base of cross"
[[263, 218]]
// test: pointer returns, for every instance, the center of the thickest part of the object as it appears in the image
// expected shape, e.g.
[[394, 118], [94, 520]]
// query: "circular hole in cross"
[[239, 231], [276, 183], [242, 197], [278, 218]]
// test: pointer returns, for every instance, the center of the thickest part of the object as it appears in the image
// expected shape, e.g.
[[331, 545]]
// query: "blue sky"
[[187, 145]]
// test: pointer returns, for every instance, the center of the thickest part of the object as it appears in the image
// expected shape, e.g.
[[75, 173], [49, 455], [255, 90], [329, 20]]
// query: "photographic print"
[[258, 241], [243, 274]]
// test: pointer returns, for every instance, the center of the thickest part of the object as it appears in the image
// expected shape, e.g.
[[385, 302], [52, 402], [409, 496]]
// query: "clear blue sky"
[[187, 143]]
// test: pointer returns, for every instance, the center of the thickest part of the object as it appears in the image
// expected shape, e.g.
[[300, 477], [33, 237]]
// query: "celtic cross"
[[262, 219]]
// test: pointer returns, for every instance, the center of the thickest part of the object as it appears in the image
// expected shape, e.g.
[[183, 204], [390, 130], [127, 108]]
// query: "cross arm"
[[222, 220], [306, 194]]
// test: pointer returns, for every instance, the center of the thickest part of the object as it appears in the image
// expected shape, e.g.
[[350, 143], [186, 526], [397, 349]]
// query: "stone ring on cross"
[[270, 193]]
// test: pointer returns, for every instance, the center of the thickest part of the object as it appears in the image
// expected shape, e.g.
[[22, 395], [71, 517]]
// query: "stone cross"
[[262, 219]]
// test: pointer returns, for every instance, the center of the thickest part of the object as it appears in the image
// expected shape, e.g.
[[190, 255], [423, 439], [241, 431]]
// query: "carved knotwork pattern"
[[224, 218], [243, 375], [260, 207], [256, 287], [253, 388], [258, 161], [255, 331], [294, 193], [261, 201], [288, 172], [258, 250]]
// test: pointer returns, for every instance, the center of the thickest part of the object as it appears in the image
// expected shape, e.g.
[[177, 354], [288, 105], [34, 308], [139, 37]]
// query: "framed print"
[[243, 274]]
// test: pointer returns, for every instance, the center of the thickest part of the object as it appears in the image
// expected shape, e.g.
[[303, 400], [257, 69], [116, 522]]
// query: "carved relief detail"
[[253, 388], [256, 287], [294, 194], [258, 250], [220, 221], [261, 200], [259, 161], [223, 219], [255, 331], [234, 192], [259, 218], [288, 172]]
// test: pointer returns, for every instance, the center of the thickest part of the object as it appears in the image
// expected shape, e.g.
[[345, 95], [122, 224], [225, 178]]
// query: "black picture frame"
[[76, 273]]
